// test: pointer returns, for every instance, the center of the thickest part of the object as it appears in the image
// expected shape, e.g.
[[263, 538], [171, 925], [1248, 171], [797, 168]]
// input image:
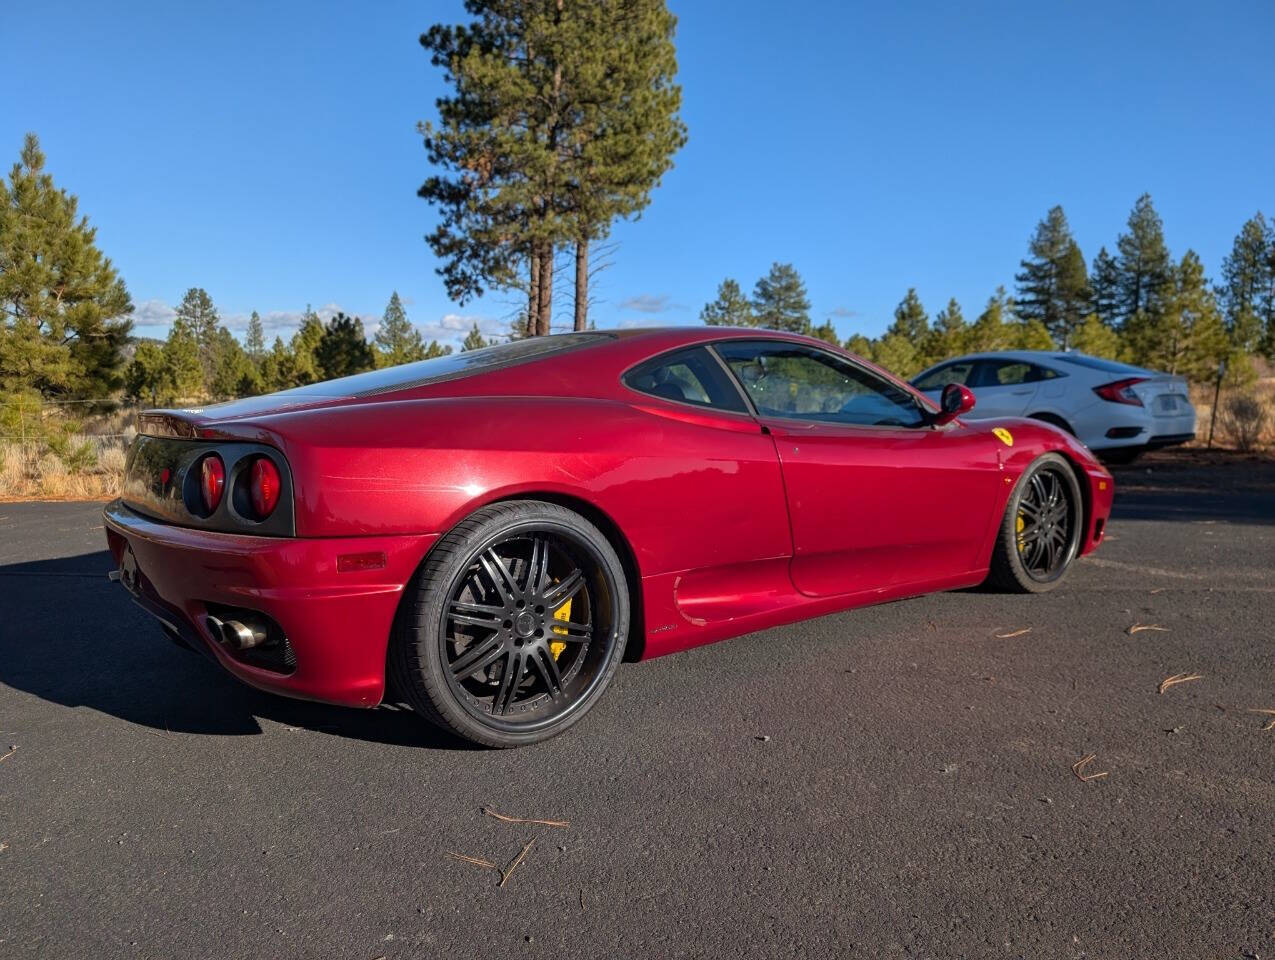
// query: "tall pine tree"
[[618, 65], [947, 336], [397, 341], [1104, 281], [1143, 264], [183, 372], [199, 314], [474, 340], [64, 311], [989, 331], [563, 117], [910, 319], [1196, 306], [1248, 283], [302, 367], [780, 301], [730, 309], [1053, 287], [254, 340], [342, 349]]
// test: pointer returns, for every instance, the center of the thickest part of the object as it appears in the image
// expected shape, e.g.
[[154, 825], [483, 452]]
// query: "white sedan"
[[1115, 409]]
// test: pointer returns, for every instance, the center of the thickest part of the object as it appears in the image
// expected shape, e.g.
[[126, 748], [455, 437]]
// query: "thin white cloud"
[[154, 318], [843, 313], [153, 313], [647, 303]]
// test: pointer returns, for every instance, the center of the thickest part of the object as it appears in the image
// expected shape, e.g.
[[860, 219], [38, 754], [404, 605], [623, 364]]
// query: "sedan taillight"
[[212, 482], [264, 487], [1121, 391]]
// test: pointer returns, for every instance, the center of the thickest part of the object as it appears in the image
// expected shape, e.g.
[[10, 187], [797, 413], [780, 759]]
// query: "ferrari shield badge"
[[1004, 436]]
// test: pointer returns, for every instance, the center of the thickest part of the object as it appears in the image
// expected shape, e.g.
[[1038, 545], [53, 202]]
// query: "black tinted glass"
[[800, 383], [687, 376]]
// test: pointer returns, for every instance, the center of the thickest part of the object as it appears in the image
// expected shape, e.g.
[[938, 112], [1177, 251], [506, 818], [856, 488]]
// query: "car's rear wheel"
[[514, 625], [1042, 530]]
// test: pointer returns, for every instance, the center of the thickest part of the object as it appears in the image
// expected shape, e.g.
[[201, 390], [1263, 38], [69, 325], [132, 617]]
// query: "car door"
[[877, 497], [1003, 388]]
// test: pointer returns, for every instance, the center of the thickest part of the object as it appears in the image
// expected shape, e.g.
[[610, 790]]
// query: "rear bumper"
[[338, 623], [1161, 440], [1119, 426]]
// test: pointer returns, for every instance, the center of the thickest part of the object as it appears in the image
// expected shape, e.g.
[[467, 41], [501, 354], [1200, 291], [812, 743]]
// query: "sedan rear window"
[[1097, 363]]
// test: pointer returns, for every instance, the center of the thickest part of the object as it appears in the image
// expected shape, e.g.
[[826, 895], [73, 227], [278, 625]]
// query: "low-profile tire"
[[513, 626], [1042, 529]]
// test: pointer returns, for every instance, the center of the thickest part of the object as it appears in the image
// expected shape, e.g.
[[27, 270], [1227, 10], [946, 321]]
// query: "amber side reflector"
[[353, 562]]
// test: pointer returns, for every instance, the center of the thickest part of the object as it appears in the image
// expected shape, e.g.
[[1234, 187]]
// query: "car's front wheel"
[[1042, 529], [513, 626]]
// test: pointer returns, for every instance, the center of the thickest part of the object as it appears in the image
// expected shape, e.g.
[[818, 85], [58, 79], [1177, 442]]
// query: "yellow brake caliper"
[[562, 613], [1019, 524]]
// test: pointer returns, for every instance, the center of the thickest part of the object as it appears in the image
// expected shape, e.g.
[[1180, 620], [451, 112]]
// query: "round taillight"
[[212, 481], [264, 487]]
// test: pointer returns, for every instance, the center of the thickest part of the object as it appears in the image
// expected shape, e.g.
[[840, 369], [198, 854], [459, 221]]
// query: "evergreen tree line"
[[201, 359], [65, 319], [1138, 305]]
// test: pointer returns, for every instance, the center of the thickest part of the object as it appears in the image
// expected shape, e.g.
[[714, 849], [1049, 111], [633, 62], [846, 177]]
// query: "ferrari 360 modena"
[[485, 536]]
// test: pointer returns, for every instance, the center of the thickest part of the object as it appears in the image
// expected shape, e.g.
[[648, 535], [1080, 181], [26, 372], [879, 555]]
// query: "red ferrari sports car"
[[486, 535]]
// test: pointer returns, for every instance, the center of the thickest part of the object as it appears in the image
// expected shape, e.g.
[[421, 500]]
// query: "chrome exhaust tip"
[[239, 634]]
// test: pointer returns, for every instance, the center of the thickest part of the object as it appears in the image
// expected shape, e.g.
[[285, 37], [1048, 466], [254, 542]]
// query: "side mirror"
[[957, 400]]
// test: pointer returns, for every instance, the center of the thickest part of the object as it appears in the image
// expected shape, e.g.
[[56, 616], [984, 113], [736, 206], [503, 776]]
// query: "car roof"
[[1027, 356], [1048, 358]]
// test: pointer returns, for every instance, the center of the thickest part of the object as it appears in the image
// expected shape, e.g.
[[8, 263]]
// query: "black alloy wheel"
[[1045, 525], [1042, 530], [519, 624]]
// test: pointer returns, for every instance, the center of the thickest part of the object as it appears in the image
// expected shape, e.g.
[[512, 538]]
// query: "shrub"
[[1243, 417], [112, 461]]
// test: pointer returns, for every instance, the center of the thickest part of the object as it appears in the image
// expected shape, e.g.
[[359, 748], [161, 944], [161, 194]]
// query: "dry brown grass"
[[93, 470], [1226, 433]]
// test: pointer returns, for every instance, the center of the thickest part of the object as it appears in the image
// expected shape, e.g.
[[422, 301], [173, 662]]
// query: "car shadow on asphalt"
[[1195, 486], [70, 637]]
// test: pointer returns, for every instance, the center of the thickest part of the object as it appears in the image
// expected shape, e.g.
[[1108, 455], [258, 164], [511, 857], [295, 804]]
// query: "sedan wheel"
[[518, 624], [1042, 529]]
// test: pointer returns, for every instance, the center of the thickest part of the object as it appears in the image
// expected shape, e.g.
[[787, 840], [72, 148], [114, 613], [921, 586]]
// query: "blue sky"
[[268, 152]]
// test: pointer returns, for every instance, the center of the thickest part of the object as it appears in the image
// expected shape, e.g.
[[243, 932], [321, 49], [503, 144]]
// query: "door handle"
[[1022, 393]]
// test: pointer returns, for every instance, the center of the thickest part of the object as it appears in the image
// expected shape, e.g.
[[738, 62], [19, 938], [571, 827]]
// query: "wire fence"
[[27, 421]]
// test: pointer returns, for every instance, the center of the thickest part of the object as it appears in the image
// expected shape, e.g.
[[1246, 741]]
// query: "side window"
[[1004, 373], [1043, 373], [948, 373], [687, 376], [801, 383]]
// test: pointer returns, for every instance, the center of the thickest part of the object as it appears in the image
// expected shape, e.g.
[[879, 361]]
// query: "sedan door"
[[1003, 388], [877, 497]]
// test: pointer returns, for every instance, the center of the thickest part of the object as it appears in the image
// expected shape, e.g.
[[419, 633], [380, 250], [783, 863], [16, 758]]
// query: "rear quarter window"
[[691, 375]]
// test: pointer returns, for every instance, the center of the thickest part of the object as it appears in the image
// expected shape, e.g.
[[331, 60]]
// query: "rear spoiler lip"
[[169, 426], [174, 424]]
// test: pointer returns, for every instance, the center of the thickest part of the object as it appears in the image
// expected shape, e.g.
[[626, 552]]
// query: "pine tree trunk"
[[582, 284], [545, 312], [533, 296]]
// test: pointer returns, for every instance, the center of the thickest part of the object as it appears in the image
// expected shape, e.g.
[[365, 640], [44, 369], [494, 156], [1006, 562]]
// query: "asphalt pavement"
[[893, 782]]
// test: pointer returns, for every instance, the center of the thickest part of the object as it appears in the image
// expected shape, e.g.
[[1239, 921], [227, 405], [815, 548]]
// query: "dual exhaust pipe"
[[236, 633]]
